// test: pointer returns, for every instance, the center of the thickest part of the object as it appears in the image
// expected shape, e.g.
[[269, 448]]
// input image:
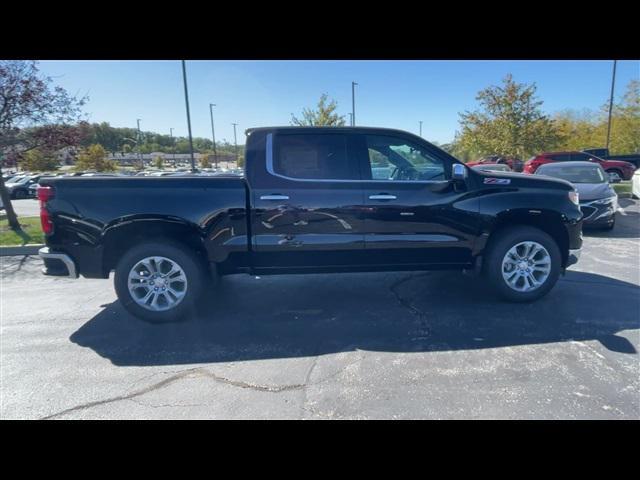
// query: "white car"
[[635, 184]]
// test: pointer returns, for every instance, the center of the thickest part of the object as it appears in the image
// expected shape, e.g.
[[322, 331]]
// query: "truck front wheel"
[[522, 263], [159, 282]]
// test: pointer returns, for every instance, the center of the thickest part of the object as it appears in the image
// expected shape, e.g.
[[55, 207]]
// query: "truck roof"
[[248, 131]]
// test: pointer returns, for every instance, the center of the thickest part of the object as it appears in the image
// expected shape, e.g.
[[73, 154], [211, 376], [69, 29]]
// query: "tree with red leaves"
[[34, 113]]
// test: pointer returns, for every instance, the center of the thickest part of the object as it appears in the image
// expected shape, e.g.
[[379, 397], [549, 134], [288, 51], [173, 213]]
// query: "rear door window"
[[314, 157]]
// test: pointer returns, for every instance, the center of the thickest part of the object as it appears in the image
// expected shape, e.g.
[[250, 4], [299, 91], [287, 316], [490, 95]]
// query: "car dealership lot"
[[378, 345]]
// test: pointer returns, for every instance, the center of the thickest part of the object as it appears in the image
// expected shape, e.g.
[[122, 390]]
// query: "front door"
[[413, 215]]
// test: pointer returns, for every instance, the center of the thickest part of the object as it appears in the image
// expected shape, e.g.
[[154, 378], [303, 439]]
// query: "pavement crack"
[[196, 372], [423, 329]]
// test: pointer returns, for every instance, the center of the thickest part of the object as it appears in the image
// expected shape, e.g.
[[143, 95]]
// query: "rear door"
[[407, 221], [307, 203]]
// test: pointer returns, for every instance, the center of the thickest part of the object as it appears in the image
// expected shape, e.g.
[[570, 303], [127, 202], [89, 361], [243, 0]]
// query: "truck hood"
[[594, 191], [523, 180]]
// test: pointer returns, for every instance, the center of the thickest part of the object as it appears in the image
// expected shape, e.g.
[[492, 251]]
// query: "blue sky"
[[395, 94]]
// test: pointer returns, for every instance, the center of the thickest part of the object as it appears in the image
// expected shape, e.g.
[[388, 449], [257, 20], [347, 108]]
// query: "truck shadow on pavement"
[[251, 318]]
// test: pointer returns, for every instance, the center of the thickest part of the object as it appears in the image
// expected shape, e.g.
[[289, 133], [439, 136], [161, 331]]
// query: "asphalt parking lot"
[[27, 207], [373, 345]]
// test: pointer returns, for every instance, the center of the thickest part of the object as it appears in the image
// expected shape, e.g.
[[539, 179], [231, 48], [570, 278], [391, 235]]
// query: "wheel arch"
[[548, 221], [125, 235]]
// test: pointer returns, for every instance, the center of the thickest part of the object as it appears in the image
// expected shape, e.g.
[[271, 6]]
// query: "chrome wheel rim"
[[157, 283], [526, 266]]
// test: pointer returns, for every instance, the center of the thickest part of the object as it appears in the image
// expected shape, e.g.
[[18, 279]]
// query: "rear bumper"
[[57, 263]]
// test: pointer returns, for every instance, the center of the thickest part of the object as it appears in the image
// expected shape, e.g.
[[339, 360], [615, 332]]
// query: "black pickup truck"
[[312, 199]]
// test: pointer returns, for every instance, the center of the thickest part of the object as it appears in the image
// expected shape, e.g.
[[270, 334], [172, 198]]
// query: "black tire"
[[498, 248], [187, 260]]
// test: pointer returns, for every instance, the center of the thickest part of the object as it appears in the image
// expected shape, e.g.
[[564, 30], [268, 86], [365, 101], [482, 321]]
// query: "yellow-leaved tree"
[[95, 158]]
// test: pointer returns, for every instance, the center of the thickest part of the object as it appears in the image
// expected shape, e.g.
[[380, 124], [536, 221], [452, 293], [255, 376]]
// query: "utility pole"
[[138, 144], [235, 141], [420, 127], [353, 103], [173, 146], [213, 135], [613, 83], [186, 101]]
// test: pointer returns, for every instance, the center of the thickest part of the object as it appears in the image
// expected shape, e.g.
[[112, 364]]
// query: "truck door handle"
[[274, 197], [382, 196]]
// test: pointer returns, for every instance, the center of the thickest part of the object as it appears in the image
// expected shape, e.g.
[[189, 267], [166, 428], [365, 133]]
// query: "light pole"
[[173, 146], [213, 135], [186, 101], [613, 82], [138, 144], [235, 141], [353, 103], [420, 127]]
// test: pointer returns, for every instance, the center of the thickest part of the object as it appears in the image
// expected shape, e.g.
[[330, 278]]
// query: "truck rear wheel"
[[522, 263], [159, 282]]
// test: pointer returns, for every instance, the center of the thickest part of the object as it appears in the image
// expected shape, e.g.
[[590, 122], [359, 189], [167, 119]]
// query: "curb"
[[31, 249]]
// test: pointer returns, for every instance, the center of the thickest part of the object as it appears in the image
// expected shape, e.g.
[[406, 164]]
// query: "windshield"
[[575, 173]]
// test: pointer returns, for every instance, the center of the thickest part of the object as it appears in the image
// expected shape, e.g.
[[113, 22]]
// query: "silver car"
[[598, 200]]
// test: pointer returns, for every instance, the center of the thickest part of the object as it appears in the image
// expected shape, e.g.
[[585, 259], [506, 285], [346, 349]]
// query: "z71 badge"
[[497, 181]]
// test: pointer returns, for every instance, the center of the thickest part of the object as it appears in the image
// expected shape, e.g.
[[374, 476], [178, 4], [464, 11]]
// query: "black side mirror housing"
[[458, 172]]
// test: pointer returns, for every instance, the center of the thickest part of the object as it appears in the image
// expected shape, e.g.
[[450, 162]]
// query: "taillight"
[[45, 193]]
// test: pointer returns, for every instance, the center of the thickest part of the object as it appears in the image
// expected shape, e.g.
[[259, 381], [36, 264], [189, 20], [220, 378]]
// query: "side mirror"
[[458, 172], [614, 178]]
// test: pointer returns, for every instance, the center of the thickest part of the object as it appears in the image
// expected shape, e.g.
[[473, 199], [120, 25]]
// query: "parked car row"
[[621, 166], [18, 185]]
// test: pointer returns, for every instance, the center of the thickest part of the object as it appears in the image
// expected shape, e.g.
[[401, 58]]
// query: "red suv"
[[624, 170]]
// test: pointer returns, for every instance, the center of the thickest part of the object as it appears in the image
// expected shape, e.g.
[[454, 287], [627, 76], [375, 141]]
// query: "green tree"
[[588, 128], [159, 162], [95, 158], [323, 115], [509, 122], [580, 129], [625, 125], [39, 160]]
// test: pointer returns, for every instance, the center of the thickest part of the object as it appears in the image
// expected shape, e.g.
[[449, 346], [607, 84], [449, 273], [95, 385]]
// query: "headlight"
[[573, 196]]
